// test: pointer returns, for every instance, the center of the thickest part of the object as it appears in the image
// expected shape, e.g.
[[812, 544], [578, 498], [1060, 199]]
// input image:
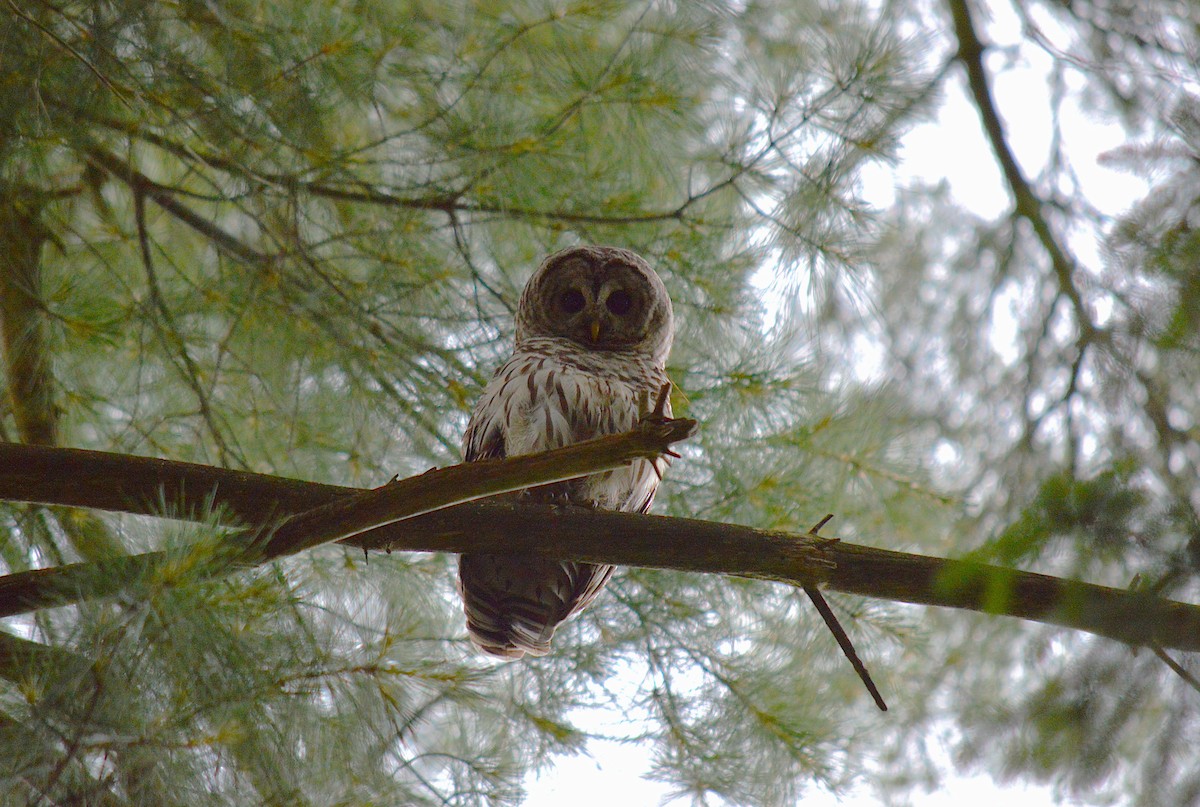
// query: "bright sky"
[[950, 149]]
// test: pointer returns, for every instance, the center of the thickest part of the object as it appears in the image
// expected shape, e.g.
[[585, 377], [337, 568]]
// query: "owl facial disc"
[[603, 298]]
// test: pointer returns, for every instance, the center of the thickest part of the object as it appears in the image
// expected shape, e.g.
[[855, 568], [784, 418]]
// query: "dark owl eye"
[[619, 302], [571, 301]]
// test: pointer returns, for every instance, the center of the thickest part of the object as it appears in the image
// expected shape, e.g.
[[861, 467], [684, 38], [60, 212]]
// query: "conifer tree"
[[288, 239]]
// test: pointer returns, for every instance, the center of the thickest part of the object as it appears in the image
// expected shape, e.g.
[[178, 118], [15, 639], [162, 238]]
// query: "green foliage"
[[1069, 425], [1098, 514], [289, 237]]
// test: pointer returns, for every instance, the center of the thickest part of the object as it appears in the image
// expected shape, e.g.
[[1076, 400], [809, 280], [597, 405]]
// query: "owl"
[[594, 327]]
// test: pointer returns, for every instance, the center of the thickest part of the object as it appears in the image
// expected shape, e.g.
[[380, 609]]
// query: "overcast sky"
[[953, 149]]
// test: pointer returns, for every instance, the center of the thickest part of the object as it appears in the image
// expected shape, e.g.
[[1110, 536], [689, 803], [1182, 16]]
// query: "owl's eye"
[[619, 303], [571, 301]]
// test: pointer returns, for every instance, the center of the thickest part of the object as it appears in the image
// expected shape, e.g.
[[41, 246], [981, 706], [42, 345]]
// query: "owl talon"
[[660, 404]]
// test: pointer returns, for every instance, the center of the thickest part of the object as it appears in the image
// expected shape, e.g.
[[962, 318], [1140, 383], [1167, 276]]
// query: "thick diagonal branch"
[[1027, 204], [183, 490], [318, 520]]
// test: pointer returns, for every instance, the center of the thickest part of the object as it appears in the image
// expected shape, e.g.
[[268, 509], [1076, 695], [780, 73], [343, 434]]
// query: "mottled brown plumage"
[[594, 327]]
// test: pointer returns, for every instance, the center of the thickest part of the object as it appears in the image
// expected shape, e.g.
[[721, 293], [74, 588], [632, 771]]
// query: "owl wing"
[[514, 603], [530, 405], [484, 437]]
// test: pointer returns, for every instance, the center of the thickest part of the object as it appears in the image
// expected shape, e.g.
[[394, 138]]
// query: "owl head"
[[603, 298]]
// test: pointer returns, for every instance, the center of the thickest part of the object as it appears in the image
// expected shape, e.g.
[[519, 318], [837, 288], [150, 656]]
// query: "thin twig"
[[839, 633], [1176, 667], [169, 333]]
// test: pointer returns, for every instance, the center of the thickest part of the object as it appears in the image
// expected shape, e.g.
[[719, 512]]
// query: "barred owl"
[[594, 327]]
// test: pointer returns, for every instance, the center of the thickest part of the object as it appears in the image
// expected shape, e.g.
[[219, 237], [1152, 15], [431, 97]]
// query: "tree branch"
[[164, 198], [339, 517], [445, 487], [22, 324], [365, 193], [60, 676], [1027, 204], [26, 349], [183, 490]]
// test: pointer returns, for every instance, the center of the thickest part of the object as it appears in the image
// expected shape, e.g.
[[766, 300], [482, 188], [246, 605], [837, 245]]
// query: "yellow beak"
[[595, 329]]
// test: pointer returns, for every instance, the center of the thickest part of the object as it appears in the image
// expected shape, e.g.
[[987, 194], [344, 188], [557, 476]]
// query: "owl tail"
[[514, 604]]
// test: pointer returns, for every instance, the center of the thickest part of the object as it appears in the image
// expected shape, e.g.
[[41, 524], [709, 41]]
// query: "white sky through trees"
[[952, 149], [933, 265]]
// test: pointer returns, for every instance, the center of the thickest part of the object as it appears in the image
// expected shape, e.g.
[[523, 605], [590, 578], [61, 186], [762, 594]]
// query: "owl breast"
[[552, 394]]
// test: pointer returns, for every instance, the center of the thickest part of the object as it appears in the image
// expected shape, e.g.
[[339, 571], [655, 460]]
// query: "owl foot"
[[556, 494], [660, 404], [682, 428]]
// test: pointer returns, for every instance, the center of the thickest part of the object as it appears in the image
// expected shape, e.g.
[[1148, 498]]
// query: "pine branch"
[[26, 350], [338, 518], [1031, 207], [365, 193], [59, 675], [118, 92], [183, 490], [164, 198], [1027, 203], [22, 324]]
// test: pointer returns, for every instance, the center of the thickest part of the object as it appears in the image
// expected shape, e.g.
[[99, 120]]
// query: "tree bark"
[[183, 490]]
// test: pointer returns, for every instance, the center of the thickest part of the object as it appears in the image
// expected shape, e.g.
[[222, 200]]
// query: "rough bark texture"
[[183, 490]]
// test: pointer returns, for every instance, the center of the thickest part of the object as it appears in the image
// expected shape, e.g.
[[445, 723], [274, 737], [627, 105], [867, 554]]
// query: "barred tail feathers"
[[514, 604]]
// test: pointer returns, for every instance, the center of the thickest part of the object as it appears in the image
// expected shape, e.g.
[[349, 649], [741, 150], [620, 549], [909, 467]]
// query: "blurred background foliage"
[[289, 238]]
